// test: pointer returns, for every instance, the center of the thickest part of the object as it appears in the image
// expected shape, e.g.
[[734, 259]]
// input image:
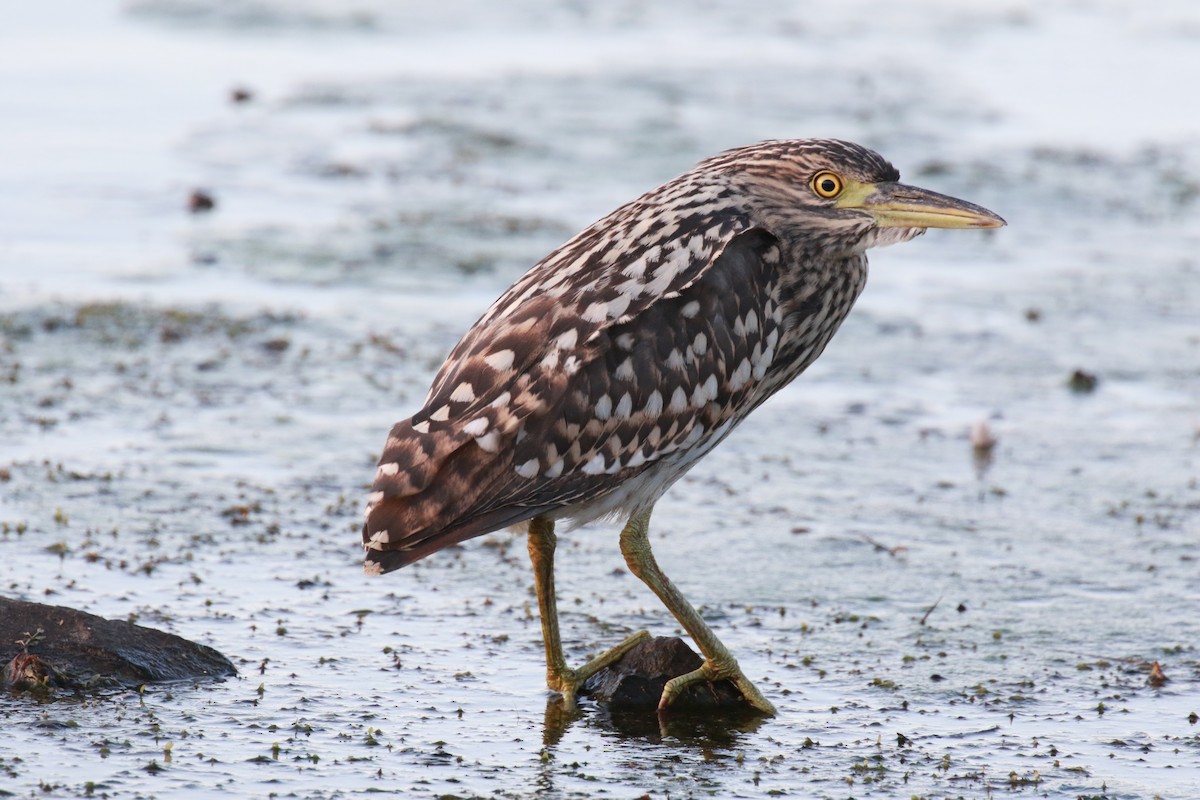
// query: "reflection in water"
[[703, 736], [559, 716], [693, 729], [698, 729]]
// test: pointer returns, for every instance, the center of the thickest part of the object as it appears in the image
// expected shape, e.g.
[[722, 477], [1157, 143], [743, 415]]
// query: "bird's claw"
[[724, 669], [568, 682]]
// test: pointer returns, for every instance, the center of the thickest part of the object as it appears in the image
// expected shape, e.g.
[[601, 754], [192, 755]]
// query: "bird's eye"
[[827, 184]]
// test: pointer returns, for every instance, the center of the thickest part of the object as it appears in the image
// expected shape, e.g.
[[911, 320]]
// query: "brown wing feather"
[[583, 414]]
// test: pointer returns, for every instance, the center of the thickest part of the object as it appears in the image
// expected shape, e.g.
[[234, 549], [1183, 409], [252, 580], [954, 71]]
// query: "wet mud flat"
[[946, 630], [191, 405]]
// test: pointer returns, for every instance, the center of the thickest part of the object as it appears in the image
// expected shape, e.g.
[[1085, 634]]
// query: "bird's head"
[[842, 196]]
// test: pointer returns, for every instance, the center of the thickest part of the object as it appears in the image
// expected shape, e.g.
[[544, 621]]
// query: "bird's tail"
[[425, 497], [405, 504]]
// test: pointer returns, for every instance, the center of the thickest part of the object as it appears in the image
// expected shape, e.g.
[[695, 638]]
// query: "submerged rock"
[[637, 680], [53, 647]]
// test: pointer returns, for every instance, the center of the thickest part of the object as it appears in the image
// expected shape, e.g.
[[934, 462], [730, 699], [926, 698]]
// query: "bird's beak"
[[895, 205]]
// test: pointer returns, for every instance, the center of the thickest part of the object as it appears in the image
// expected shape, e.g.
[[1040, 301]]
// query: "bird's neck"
[[815, 296]]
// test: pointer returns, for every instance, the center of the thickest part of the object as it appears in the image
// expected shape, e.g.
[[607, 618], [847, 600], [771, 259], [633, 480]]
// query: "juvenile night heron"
[[622, 358]]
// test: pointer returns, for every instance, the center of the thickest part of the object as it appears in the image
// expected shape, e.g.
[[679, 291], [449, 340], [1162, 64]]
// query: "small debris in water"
[[1082, 382], [982, 440], [892, 550], [1157, 677], [200, 202], [277, 345], [929, 610]]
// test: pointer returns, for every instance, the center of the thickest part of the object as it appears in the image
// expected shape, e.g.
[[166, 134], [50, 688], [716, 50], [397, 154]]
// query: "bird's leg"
[[719, 663], [560, 677]]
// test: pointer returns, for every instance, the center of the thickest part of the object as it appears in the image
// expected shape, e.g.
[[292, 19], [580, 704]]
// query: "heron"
[[619, 360]]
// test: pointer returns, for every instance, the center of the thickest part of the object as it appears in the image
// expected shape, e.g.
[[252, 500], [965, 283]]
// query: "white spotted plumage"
[[620, 359]]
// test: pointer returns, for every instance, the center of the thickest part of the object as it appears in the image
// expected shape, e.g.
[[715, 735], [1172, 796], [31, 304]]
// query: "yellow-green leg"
[[560, 677], [719, 663]]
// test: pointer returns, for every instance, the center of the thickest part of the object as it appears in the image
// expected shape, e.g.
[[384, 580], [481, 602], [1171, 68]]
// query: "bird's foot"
[[567, 681], [723, 668]]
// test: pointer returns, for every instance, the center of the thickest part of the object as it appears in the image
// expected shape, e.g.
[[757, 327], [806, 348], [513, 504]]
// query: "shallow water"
[[191, 405]]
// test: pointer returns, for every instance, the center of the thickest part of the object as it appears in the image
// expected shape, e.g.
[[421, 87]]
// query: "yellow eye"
[[827, 184]]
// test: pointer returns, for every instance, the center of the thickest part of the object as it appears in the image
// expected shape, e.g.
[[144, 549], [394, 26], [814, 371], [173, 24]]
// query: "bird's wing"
[[546, 403], [609, 273], [667, 383]]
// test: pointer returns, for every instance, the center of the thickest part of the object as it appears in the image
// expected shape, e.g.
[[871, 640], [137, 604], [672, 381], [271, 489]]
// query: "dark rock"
[[637, 680], [52, 647]]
